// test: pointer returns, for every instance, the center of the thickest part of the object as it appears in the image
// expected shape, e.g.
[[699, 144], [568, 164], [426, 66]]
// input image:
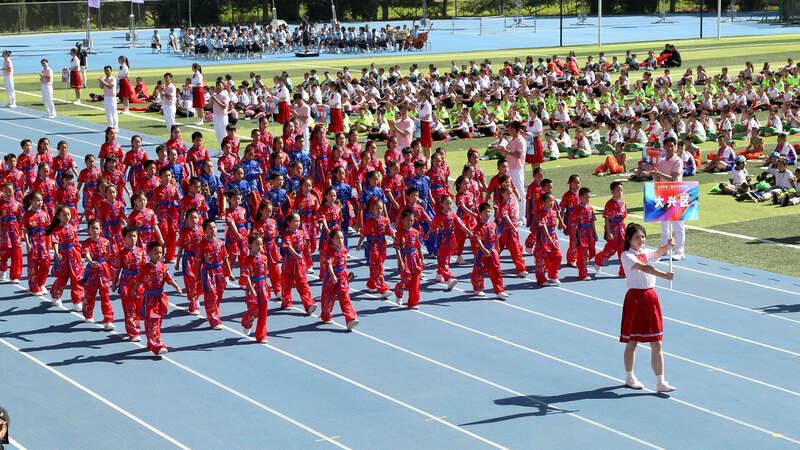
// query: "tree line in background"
[[33, 16]]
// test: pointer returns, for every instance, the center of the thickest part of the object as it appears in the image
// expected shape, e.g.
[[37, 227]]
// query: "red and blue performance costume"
[[439, 186], [534, 193], [615, 212], [26, 162], [569, 203], [189, 241], [47, 187], [445, 226], [236, 219], [113, 216], [585, 237], [320, 153], [196, 157], [508, 238], [196, 201], [256, 268], [268, 229], [69, 197], [154, 307], [134, 160], [293, 270], [62, 164], [35, 221], [393, 186], [131, 261], [69, 267], [166, 199], [97, 278], [485, 263], [89, 178], [338, 288], [16, 178], [306, 207], [332, 216], [148, 185], [466, 201], [408, 244], [112, 148], [212, 276], [547, 252], [11, 237], [144, 220], [375, 231]]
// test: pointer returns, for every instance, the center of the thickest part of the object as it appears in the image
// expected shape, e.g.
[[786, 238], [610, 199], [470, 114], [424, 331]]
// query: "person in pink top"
[[8, 78], [514, 152], [109, 85], [301, 112], [670, 169], [403, 128], [46, 78]]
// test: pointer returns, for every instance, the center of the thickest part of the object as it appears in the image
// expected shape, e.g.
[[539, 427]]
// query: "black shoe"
[[753, 197], [740, 196], [785, 201]]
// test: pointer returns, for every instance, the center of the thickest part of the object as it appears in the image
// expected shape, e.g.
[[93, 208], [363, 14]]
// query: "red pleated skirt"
[[337, 123], [641, 317], [198, 97]]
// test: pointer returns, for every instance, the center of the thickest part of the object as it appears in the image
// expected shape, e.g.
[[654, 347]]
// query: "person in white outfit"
[[168, 96], [109, 85], [46, 77], [515, 155], [8, 79], [219, 106], [670, 169]]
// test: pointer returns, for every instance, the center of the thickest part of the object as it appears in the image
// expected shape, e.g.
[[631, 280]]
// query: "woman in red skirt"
[[335, 104], [425, 116], [641, 313], [198, 93], [125, 89], [75, 80], [281, 92], [533, 129]]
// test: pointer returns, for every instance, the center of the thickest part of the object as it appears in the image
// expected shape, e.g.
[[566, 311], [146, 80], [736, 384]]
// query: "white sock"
[[630, 374], [660, 379]]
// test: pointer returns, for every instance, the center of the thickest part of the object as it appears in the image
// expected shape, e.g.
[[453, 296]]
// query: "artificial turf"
[[717, 212]]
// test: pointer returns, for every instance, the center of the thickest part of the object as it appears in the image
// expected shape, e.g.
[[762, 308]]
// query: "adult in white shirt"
[[219, 106], [641, 311], [125, 88], [515, 155], [198, 92], [670, 169], [301, 111], [109, 86], [75, 81], [8, 79], [281, 93], [336, 124], [46, 77], [168, 97]]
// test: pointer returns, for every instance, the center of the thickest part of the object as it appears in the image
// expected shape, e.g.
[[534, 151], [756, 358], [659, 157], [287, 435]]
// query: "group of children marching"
[[279, 204]]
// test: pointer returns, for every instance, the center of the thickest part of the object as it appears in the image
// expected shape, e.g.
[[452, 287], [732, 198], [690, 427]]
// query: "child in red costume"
[[488, 258], [67, 249], [152, 278], [445, 224], [335, 280], [505, 216], [293, 271], [375, 230], [10, 234], [188, 258], [266, 226], [37, 244], [130, 260], [254, 271], [547, 251], [585, 233], [213, 257], [236, 233], [410, 261], [98, 252], [614, 214]]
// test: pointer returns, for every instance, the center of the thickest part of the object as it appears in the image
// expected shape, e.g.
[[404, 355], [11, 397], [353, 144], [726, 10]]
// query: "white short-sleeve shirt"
[[636, 279]]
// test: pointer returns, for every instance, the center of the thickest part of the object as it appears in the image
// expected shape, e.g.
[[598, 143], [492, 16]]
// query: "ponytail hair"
[[56, 220], [631, 231], [26, 201]]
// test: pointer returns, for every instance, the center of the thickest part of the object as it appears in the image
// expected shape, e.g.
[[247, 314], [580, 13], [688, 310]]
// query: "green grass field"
[[717, 213]]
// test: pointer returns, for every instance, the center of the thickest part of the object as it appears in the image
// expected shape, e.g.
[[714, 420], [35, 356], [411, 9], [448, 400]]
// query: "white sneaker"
[[399, 299], [246, 331], [451, 284], [352, 324], [479, 293], [162, 351], [440, 279], [12, 106], [88, 319], [45, 291], [136, 339], [310, 271], [328, 321], [17, 282], [4, 276], [37, 293], [108, 326], [311, 309], [556, 281], [413, 307], [678, 257], [586, 278], [77, 102], [57, 301], [198, 123], [634, 383], [461, 260], [522, 274], [77, 307], [572, 264], [386, 294], [422, 276], [372, 290], [664, 387], [217, 327], [194, 313], [596, 268], [529, 250], [502, 294]]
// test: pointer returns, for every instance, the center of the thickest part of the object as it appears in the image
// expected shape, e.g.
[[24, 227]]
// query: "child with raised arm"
[[335, 280], [641, 311], [487, 259], [152, 278]]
